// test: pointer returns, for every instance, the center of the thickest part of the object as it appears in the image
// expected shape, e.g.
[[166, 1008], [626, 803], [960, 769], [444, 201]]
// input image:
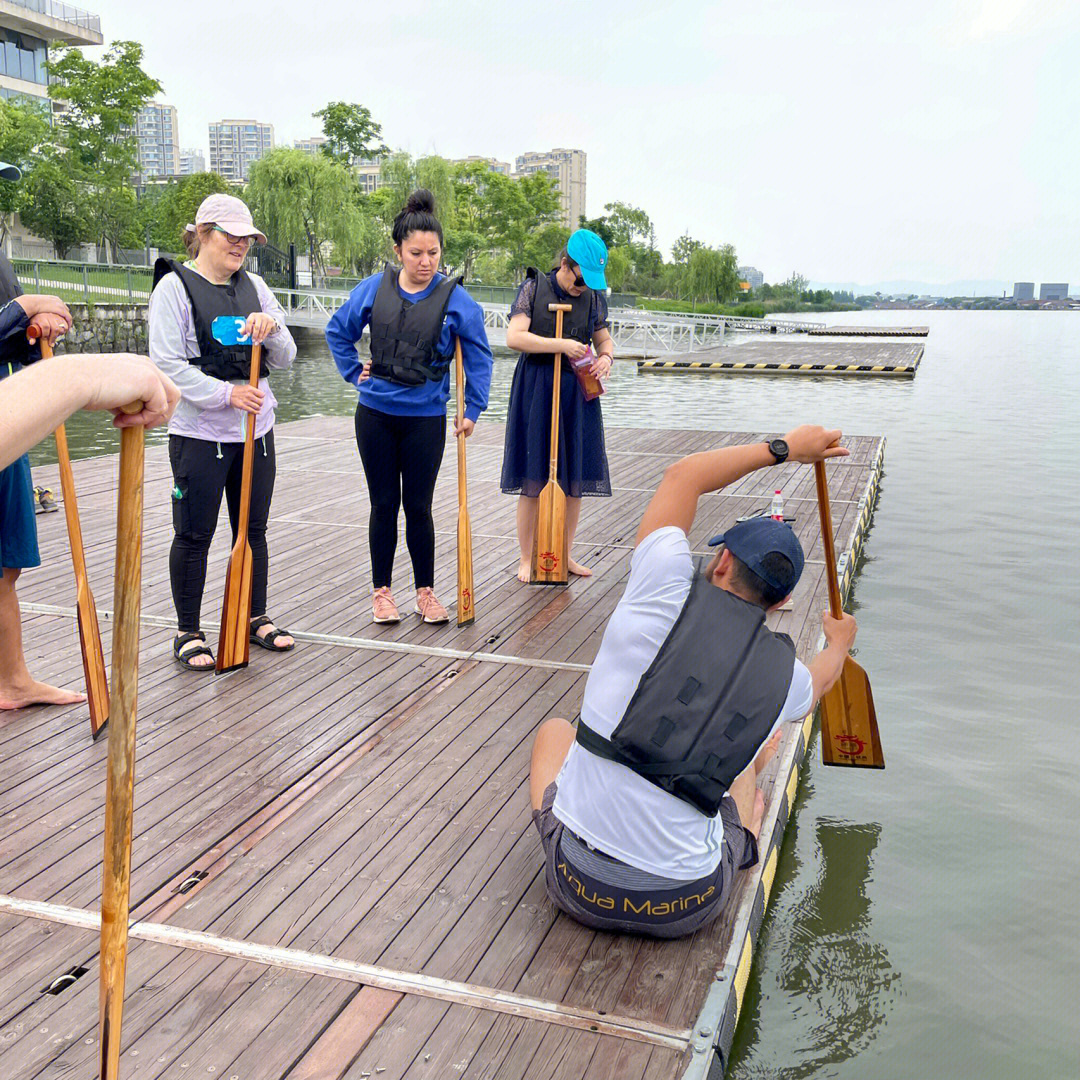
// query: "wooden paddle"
[[120, 777], [234, 639], [549, 553], [849, 730], [93, 656], [466, 612]]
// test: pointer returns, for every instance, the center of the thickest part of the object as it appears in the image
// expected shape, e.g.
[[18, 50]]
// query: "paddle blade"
[[466, 612], [549, 554], [93, 658], [234, 640], [849, 730]]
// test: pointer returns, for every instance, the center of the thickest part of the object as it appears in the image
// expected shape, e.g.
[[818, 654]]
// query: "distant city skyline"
[[842, 142]]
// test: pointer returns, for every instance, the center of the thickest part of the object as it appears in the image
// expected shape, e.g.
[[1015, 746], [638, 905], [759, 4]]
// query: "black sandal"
[[184, 659], [268, 641]]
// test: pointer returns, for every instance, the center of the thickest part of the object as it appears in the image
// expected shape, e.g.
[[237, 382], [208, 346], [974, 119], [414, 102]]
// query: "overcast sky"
[[850, 141]]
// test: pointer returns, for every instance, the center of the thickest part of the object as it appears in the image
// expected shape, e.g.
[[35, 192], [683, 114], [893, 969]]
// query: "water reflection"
[[838, 980]]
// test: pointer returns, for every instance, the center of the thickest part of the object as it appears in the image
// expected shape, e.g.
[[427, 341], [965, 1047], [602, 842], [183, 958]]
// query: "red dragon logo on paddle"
[[547, 561], [850, 745]]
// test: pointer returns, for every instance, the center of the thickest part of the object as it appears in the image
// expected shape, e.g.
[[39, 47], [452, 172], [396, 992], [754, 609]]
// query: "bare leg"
[[17, 688], [526, 527], [573, 512], [744, 790], [553, 742]]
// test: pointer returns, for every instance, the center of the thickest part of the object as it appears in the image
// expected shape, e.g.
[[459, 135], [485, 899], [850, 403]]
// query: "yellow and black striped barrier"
[[778, 368]]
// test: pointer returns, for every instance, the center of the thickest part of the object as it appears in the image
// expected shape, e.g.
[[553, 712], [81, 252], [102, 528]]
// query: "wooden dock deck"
[[888, 359], [364, 799]]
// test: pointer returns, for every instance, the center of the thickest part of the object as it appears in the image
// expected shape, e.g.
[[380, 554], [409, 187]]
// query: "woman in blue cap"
[[579, 281]]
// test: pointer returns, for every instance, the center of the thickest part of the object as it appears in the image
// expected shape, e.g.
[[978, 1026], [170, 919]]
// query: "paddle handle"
[[120, 777], [249, 450], [67, 478], [836, 605], [553, 462], [459, 381]]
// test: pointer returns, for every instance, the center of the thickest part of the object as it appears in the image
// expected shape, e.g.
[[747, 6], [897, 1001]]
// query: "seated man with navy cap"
[[649, 807]]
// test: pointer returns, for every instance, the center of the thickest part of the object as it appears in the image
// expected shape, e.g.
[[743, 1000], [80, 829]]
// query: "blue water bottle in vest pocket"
[[229, 330]]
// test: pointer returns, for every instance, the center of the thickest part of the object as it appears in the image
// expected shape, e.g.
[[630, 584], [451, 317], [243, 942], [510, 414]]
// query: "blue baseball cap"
[[590, 253], [751, 541], [9, 172]]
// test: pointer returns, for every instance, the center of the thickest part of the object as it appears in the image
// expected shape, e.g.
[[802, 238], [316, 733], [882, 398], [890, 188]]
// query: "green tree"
[[713, 274], [794, 287], [545, 245], [628, 224], [166, 209], [23, 128], [57, 205], [617, 269], [601, 226], [96, 130], [305, 200], [684, 247], [351, 133]]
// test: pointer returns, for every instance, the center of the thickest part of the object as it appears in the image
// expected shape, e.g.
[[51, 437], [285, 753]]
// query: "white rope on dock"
[[371, 644], [402, 982]]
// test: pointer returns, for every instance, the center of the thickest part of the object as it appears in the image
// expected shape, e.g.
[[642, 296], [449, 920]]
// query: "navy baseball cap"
[[9, 172], [751, 541], [590, 253]]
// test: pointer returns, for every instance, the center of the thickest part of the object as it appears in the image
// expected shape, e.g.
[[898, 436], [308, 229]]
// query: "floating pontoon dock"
[[788, 357], [334, 870]]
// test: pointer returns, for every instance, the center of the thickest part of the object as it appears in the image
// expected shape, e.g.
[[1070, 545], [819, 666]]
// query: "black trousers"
[[401, 457], [201, 472]]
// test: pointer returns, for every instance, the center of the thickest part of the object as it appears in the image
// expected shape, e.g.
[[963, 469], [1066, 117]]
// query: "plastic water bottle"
[[777, 512]]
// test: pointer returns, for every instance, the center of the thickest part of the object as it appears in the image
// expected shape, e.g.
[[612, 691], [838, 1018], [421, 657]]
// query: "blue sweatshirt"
[[464, 319]]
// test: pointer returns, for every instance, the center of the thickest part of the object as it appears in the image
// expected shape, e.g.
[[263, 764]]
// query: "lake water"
[[924, 921]]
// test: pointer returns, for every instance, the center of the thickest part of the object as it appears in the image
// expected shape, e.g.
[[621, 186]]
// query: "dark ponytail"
[[417, 215]]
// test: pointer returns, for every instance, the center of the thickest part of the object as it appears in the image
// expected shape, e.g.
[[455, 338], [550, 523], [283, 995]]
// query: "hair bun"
[[420, 201]]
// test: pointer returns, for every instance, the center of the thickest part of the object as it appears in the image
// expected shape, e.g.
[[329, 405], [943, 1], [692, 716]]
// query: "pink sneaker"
[[428, 608], [383, 608]]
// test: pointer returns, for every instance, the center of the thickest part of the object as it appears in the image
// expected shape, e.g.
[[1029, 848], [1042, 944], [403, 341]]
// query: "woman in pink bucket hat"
[[206, 433]]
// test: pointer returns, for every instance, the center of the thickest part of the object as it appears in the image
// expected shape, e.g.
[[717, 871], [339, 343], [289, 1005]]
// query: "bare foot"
[[577, 568], [758, 815], [768, 751], [525, 570], [37, 693]]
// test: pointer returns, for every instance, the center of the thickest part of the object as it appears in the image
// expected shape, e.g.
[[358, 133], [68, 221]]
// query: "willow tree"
[[308, 200]]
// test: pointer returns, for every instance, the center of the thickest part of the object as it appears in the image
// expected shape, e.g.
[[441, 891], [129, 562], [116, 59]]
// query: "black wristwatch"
[[779, 450]]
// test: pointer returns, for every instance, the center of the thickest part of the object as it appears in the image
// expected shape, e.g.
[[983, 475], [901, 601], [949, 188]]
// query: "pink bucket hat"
[[229, 213]]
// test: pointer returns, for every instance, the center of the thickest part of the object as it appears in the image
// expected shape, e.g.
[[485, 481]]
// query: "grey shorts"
[[605, 894]]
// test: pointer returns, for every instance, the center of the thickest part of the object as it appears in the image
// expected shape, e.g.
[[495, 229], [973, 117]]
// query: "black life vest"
[[707, 701], [15, 350], [9, 283], [575, 322], [238, 297], [405, 334]]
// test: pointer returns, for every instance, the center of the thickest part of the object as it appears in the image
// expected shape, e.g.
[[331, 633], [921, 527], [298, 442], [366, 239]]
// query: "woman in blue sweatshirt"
[[413, 314]]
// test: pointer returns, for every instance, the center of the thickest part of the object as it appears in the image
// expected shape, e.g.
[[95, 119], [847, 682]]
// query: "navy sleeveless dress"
[[582, 466]]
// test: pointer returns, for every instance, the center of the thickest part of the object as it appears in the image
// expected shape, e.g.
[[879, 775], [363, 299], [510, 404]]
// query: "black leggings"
[[201, 472], [401, 457]]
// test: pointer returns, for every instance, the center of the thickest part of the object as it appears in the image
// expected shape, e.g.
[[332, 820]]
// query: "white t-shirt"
[[608, 805]]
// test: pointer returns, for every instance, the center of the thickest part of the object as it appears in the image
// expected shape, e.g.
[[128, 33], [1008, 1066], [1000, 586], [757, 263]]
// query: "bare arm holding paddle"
[[676, 499], [675, 503], [34, 401]]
